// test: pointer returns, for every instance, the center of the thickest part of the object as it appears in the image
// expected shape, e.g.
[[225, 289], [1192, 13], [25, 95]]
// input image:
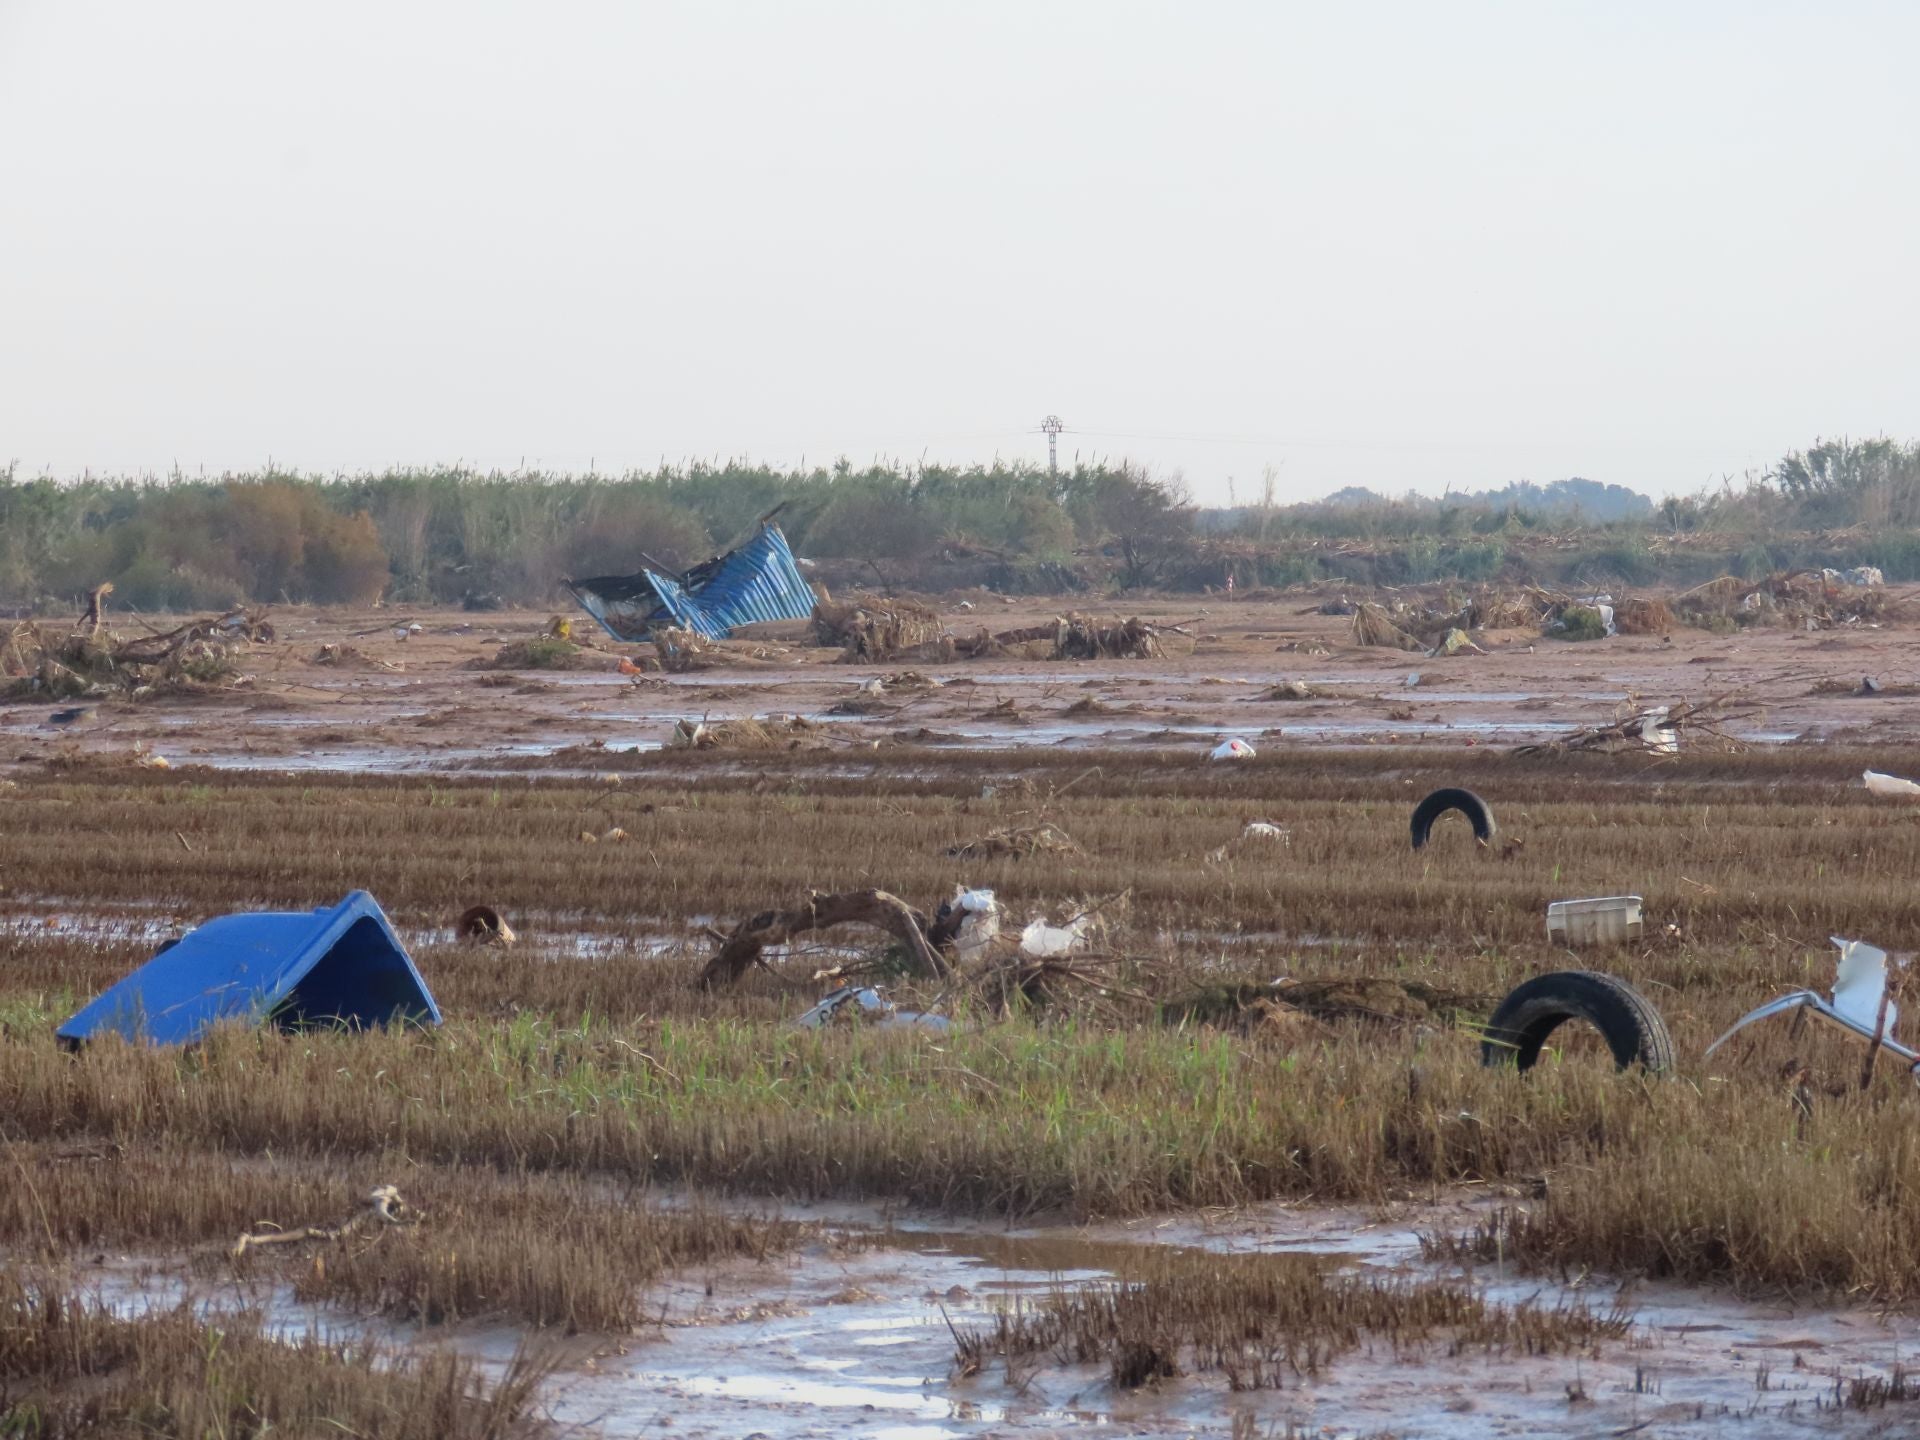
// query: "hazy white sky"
[[1393, 244]]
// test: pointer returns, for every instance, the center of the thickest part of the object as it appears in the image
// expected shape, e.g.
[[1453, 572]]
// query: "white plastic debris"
[[1657, 734], [1041, 941], [1232, 750], [980, 925], [1879, 784], [1604, 920], [1861, 577], [1860, 983]]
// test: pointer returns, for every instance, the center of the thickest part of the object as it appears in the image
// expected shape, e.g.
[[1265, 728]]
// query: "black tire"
[[1440, 802], [1631, 1027]]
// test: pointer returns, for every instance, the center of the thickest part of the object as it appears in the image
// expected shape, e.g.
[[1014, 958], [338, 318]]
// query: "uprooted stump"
[[875, 908]]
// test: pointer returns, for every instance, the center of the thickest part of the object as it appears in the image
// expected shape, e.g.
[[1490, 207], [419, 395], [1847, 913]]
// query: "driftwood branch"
[[383, 1206], [822, 912], [1708, 718]]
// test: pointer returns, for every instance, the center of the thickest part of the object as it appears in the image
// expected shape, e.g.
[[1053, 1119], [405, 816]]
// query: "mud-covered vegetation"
[[454, 535]]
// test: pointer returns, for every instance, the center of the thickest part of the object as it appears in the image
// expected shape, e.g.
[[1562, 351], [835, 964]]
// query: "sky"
[[1400, 245]]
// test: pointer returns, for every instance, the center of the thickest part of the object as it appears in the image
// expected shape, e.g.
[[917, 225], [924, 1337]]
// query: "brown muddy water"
[[854, 1337]]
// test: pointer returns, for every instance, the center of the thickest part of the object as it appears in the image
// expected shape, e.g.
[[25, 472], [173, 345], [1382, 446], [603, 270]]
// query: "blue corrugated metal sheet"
[[339, 966], [758, 581]]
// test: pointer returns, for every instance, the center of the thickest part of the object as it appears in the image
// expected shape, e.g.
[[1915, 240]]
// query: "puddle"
[[855, 1342]]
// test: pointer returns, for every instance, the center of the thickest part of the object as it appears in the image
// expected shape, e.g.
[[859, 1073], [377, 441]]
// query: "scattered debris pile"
[[1636, 615], [1447, 628], [1657, 728], [874, 630], [1373, 626], [1799, 599], [1082, 637], [907, 630], [783, 732], [1450, 628], [91, 661], [681, 650]]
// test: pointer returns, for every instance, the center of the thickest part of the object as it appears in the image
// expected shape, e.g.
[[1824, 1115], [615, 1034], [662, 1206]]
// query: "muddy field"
[[342, 691], [1138, 1193]]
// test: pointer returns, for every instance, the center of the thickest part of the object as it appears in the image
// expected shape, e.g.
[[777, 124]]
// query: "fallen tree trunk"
[[822, 912]]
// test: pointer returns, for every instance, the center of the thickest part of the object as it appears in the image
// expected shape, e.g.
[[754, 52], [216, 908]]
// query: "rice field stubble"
[[573, 1076]]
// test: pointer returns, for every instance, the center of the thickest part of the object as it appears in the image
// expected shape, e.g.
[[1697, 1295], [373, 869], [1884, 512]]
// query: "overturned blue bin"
[[338, 967]]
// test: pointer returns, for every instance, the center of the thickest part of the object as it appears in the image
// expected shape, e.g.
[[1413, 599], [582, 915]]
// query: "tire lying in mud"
[[1440, 802], [1632, 1028]]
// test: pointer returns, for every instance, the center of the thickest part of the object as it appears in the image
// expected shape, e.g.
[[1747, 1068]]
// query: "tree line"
[[448, 535]]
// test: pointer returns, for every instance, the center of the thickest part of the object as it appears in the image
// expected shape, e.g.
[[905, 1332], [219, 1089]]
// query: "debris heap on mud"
[[1373, 626], [907, 630], [877, 629], [1074, 637], [1657, 728], [785, 732], [1799, 599], [92, 661]]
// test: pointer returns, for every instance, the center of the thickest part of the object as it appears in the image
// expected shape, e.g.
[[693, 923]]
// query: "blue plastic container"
[[343, 966]]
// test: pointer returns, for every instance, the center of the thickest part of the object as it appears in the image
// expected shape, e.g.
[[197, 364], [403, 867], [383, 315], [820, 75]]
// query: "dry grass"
[[564, 1077], [1728, 848], [71, 1367], [542, 1249]]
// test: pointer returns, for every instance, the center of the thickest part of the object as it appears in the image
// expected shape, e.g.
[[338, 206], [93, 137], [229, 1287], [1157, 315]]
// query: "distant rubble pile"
[[876, 629], [91, 662], [907, 630], [1801, 599]]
